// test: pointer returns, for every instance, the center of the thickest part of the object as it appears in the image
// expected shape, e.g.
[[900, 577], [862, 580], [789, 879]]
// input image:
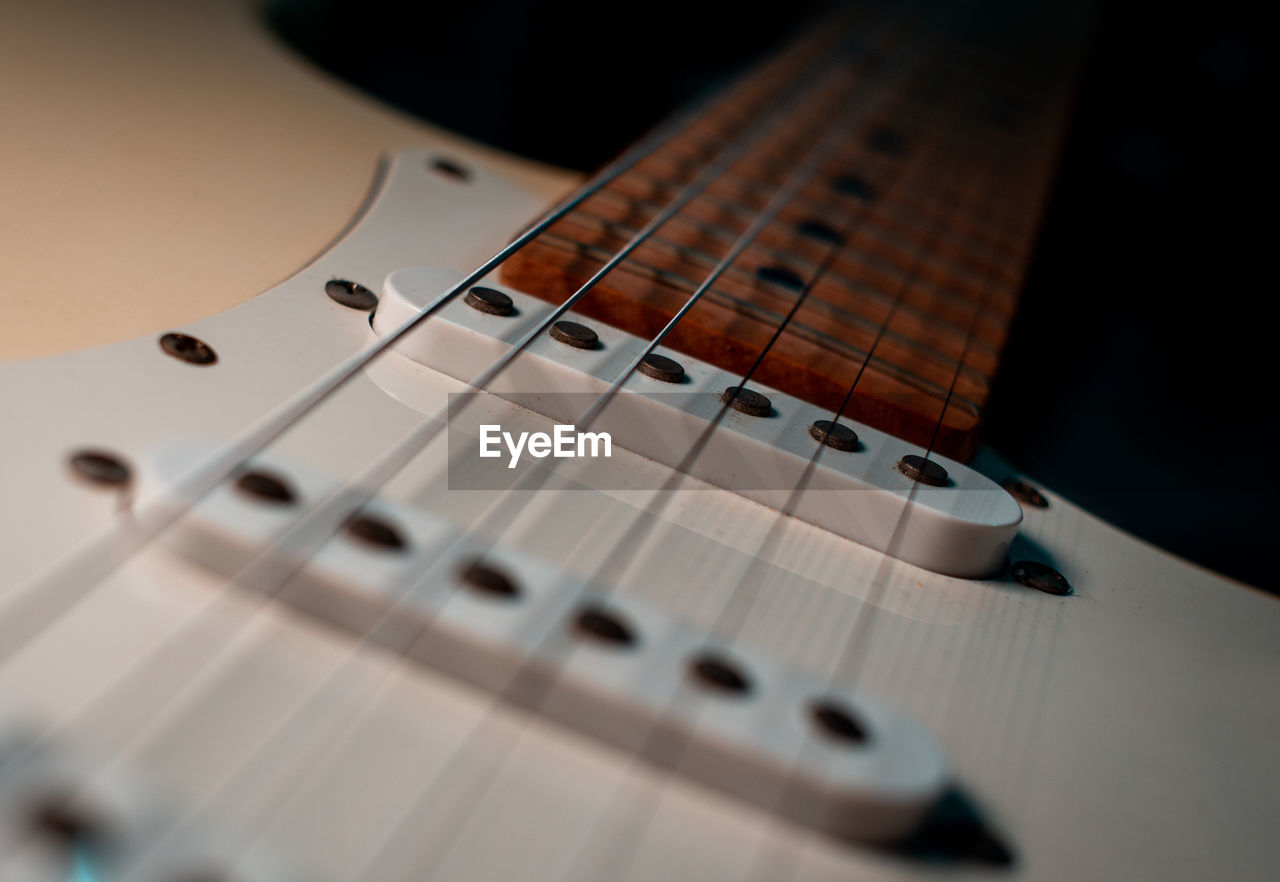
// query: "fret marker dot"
[[888, 142], [816, 229], [852, 185], [780, 275]]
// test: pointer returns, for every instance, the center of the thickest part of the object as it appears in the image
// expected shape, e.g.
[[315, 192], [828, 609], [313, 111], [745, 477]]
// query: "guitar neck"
[[894, 259]]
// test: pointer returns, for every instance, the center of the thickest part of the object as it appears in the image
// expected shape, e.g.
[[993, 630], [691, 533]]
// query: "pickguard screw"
[[265, 487], [60, 819], [717, 672], [100, 467], [926, 471], [605, 626], [833, 434], [375, 532], [575, 335], [662, 368], [489, 580], [1024, 493], [747, 401], [450, 169], [489, 301], [1040, 577], [351, 294], [186, 348]]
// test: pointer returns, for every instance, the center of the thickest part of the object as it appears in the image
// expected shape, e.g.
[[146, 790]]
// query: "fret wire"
[[746, 276], [769, 317]]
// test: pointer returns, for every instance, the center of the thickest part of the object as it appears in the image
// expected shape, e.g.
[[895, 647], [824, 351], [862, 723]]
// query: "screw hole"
[[101, 468]]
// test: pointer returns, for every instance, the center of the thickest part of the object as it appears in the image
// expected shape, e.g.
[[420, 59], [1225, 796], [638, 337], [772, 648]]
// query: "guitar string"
[[727, 630], [539, 475], [42, 599], [707, 177], [790, 191], [473, 791], [844, 673], [968, 341], [856, 644]]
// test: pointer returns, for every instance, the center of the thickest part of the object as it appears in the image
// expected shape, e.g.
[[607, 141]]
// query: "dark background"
[[1137, 382]]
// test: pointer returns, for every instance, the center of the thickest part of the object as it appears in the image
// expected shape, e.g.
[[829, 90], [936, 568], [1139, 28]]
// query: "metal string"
[[42, 599], [678, 471], [787, 194], [341, 509], [731, 618]]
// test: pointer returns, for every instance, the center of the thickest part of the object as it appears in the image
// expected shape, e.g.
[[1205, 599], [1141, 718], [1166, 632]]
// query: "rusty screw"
[[351, 294], [1040, 577], [186, 348]]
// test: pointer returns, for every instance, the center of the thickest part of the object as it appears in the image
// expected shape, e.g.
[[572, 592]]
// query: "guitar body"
[[174, 169]]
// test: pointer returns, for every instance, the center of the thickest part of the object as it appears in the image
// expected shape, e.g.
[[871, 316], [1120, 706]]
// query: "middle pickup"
[[763, 444]]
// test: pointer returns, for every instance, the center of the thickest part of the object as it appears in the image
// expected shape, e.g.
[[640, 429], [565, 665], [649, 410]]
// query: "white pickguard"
[[1127, 731]]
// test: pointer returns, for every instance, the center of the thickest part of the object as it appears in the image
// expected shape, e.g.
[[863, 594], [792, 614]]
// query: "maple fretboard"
[[907, 247]]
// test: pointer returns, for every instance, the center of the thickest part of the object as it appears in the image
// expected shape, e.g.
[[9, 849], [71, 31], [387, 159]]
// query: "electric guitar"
[[380, 506]]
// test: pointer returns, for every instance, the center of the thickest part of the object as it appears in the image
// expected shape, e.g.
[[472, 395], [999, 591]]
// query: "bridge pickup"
[[962, 527], [607, 666]]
